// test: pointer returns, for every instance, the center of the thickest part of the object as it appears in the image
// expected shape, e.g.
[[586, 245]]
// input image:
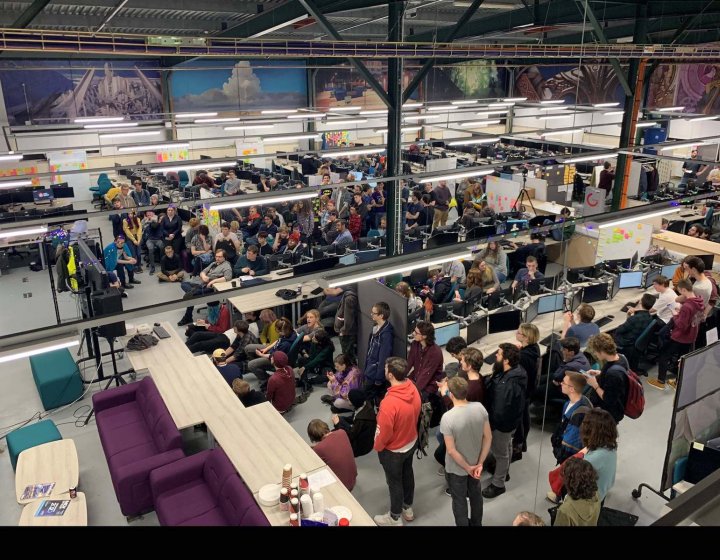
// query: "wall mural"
[[53, 91], [589, 83], [473, 79], [694, 86], [217, 85]]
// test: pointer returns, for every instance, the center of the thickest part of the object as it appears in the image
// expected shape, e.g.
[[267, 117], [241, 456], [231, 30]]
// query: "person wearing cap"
[[361, 426], [281, 385], [248, 397], [230, 372]]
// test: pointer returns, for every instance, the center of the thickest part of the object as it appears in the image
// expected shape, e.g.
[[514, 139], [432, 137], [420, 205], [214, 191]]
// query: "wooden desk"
[[75, 515], [687, 245], [56, 462], [259, 442], [333, 495], [214, 395], [544, 208], [267, 299]]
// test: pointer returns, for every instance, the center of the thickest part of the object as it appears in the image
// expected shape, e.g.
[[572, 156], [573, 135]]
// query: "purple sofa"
[[137, 435], [204, 489]]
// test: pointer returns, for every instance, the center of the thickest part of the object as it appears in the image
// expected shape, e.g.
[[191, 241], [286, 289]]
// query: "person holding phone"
[[609, 383]]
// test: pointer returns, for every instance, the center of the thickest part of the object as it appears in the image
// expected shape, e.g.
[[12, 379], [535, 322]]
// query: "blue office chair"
[[184, 178]]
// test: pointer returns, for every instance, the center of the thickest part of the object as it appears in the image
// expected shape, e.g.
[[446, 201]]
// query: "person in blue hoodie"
[[380, 348]]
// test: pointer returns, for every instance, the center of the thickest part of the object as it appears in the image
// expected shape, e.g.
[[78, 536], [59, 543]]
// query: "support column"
[[394, 135]]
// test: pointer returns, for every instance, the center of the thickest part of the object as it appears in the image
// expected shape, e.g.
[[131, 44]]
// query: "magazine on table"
[[52, 508], [41, 490]]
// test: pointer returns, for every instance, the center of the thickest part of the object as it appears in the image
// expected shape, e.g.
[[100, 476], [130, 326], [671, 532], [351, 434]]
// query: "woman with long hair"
[[269, 332], [133, 234], [414, 302], [494, 255], [346, 377], [305, 217]]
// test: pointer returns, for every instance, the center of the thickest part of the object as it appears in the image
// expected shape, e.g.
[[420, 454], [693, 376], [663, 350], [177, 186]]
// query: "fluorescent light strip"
[[398, 269], [349, 121], [552, 102], [279, 139], [645, 124], [11, 157], [599, 105], [514, 99], [278, 26], [443, 108], [357, 152], [589, 158], [554, 117], [98, 119], [477, 141], [14, 184], [22, 232], [669, 109], [130, 134], [480, 123], [557, 132], [265, 200], [150, 147], [477, 173], [488, 113], [249, 127], [306, 116], [422, 118], [613, 113], [698, 119], [37, 351], [412, 105], [219, 120], [553, 108], [117, 125], [209, 165], [279, 111], [195, 115], [499, 105], [641, 217], [347, 109], [681, 146], [402, 130], [374, 112], [468, 102]]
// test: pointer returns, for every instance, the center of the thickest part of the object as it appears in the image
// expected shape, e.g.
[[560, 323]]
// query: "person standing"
[[395, 440], [607, 176], [506, 398], [441, 198], [467, 434], [609, 383], [380, 347], [691, 168]]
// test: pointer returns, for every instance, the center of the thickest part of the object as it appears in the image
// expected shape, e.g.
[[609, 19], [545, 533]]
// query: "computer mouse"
[[157, 324]]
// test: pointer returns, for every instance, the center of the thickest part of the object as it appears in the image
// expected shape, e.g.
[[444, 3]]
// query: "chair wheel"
[[636, 494]]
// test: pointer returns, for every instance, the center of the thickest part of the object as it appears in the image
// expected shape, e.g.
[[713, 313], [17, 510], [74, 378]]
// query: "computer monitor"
[[550, 303], [502, 321], [412, 246], [92, 271], [576, 300], [62, 190], [477, 330], [574, 275], [442, 239], [512, 225], [531, 312], [668, 270], [708, 260], [595, 292], [534, 287], [316, 266], [481, 232], [348, 260], [615, 265], [358, 175], [43, 196], [650, 277], [614, 287], [630, 280]]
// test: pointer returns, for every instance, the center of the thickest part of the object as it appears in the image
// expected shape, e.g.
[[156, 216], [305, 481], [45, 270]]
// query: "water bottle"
[[299, 290]]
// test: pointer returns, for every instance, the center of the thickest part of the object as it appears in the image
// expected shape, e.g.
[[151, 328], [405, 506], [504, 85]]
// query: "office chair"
[[646, 347], [677, 226], [183, 178]]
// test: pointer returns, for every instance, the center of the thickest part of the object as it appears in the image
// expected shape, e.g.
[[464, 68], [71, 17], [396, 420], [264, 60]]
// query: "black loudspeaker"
[[106, 302]]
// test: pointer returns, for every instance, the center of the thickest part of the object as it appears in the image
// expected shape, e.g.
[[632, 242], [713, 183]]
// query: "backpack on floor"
[[423, 429]]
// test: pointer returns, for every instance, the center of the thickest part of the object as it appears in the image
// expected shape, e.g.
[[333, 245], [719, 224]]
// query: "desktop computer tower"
[[106, 302]]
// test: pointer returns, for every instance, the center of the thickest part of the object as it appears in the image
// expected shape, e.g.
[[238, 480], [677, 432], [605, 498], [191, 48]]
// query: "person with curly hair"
[[581, 507], [599, 435]]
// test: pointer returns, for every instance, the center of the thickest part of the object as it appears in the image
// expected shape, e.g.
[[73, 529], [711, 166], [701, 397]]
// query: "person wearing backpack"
[[609, 384], [566, 439], [395, 441]]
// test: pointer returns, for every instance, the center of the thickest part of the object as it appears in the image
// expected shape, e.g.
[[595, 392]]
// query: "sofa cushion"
[[216, 471], [190, 504], [165, 434], [122, 415], [238, 505], [119, 439]]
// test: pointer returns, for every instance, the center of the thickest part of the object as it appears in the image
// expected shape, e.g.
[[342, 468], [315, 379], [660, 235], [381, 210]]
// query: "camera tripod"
[[517, 205]]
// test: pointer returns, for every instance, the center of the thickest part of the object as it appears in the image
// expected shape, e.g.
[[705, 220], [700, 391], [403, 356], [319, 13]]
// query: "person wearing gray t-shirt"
[[467, 435]]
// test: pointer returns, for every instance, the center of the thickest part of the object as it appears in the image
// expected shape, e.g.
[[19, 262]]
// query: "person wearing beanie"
[[281, 385], [361, 427], [230, 372], [248, 397]]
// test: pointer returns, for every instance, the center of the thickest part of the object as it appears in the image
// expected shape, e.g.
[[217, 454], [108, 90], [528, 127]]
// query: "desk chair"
[[183, 178], [646, 347]]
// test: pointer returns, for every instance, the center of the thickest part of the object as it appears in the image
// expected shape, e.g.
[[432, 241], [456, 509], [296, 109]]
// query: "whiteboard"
[[501, 193], [623, 241], [71, 160]]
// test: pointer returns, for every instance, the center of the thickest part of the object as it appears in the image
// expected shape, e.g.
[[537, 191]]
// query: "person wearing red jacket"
[[281, 385], [355, 223], [684, 332], [425, 360], [395, 440]]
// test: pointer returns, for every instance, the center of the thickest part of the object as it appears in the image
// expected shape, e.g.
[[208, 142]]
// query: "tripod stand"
[[517, 206]]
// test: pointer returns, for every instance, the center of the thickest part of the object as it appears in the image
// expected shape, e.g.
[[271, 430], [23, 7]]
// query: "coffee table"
[[56, 462], [75, 515]]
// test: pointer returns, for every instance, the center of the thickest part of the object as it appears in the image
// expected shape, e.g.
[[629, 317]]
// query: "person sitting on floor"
[[313, 364], [334, 449], [248, 397], [170, 267], [119, 260], [230, 372], [260, 357], [346, 377], [217, 322], [281, 385], [243, 337], [361, 426]]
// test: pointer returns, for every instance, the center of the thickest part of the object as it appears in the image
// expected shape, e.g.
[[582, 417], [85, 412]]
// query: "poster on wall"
[[501, 194], [473, 79], [334, 139], [14, 170], [219, 85], [588, 83], [172, 154], [55, 91], [71, 160]]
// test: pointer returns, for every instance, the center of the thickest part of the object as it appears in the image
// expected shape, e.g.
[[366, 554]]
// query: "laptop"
[[43, 196]]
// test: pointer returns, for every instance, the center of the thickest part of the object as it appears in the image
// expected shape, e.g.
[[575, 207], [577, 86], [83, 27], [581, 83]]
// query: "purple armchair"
[[138, 435], [204, 489]]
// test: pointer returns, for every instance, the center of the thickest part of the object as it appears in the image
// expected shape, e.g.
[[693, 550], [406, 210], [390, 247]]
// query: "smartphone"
[[585, 373]]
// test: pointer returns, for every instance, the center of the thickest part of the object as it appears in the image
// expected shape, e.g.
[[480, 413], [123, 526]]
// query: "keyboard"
[[550, 340], [604, 321], [161, 332]]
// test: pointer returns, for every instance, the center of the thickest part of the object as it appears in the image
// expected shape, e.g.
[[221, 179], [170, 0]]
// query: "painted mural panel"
[[693, 86], [55, 91], [589, 83], [231, 86]]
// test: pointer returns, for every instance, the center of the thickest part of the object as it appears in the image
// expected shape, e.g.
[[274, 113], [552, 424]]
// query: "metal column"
[[394, 135]]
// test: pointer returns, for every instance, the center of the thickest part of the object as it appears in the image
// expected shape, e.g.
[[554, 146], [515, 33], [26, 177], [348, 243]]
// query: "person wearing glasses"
[[380, 347]]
